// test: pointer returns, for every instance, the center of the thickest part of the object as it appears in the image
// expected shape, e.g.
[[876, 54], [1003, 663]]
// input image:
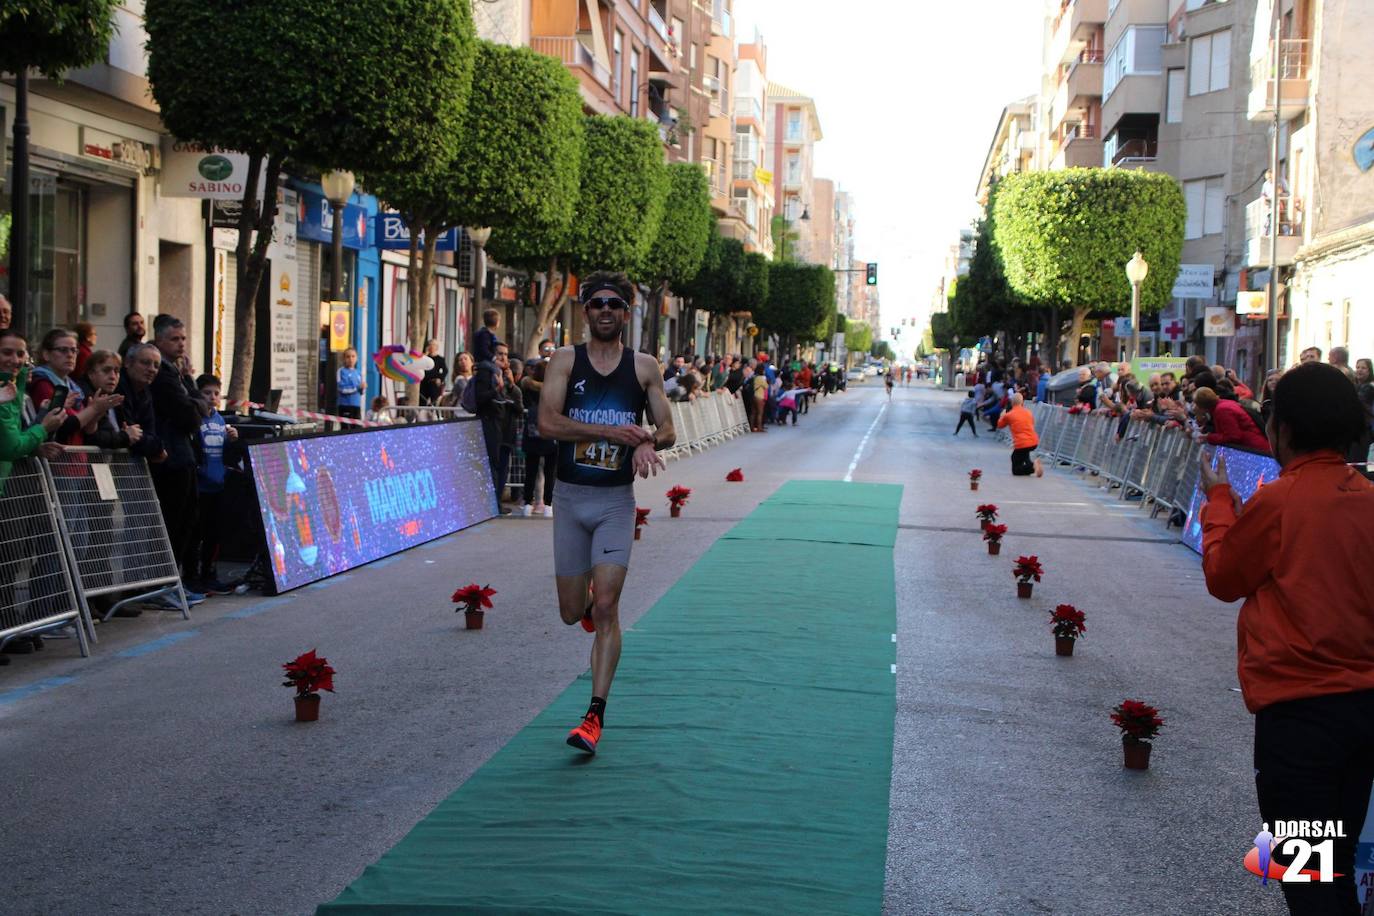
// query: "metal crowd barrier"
[[1142, 459], [706, 422], [112, 529], [37, 594]]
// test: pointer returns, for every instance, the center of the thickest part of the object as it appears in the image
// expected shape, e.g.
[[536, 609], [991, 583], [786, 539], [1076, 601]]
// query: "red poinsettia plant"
[[735, 476], [1138, 721], [1028, 568], [993, 533], [641, 516], [309, 674], [1067, 621], [975, 475], [473, 597], [677, 496], [987, 512]]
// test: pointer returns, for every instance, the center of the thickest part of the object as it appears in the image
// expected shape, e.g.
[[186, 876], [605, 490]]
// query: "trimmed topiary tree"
[[299, 81], [801, 301], [1065, 237], [676, 255], [621, 198], [51, 36], [517, 167]]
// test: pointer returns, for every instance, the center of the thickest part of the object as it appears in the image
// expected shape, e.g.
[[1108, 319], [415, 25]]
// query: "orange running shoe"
[[587, 623], [585, 736]]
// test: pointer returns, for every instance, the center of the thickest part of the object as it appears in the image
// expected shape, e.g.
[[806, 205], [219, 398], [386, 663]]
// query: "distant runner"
[[593, 403]]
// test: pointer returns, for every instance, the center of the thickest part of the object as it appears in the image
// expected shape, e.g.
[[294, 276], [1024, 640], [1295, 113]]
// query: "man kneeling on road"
[[1023, 438], [593, 403]]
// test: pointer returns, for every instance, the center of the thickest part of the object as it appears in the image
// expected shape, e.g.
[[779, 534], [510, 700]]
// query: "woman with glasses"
[[57, 361]]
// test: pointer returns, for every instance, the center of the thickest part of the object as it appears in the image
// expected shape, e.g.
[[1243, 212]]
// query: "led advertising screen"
[[330, 503], [1247, 472]]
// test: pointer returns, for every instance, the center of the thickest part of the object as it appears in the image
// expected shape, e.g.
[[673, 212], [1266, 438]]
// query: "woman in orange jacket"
[[1299, 553]]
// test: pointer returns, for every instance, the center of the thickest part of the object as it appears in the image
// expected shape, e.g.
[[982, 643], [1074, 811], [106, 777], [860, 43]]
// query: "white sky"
[[908, 93]]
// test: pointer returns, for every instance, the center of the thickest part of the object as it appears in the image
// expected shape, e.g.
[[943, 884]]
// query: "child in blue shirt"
[[217, 451], [351, 386]]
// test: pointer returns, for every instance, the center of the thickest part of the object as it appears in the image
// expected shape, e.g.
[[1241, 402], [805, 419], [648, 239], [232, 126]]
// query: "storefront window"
[[57, 273]]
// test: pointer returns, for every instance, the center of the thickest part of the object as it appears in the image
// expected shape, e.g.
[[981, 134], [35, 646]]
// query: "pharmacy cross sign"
[[1174, 330]]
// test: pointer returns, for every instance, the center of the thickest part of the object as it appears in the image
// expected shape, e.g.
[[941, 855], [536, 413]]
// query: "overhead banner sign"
[[1253, 302], [1195, 281], [392, 232], [206, 172], [315, 221], [1219, 321], [331, 503]]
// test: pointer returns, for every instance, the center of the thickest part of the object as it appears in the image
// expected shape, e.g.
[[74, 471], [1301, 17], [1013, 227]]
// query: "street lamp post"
[[1136, 270], [338, 188], [19, 208], [479, 236]]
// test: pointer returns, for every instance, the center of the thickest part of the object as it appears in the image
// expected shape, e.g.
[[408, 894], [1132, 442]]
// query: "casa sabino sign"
[[210, 173]]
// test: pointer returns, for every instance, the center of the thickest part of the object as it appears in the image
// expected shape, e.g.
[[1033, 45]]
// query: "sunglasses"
[[608, 302]]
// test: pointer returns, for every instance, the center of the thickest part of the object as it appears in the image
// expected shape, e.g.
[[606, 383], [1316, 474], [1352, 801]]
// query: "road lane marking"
[[28, 690], [253, 610], [156, 645], [849, 474]]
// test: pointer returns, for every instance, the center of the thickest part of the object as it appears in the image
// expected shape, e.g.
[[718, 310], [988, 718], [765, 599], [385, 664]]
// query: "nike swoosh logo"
[[604, 550]]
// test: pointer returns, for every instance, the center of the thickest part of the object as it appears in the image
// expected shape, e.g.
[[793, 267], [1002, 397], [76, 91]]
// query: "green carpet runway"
[[747, 752]]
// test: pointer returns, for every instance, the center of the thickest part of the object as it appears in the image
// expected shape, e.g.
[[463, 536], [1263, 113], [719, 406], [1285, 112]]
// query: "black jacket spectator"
[[178, 416], [137, 410], [499, 403]]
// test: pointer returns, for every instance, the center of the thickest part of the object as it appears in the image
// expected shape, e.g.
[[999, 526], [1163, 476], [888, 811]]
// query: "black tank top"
[[609, 400]]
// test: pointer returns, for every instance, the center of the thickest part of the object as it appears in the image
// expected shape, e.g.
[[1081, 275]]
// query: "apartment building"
[[1325, 222], [1014, 145], [793, 129], [1071, 89], [752, 181], [822, 228], [842, 254]]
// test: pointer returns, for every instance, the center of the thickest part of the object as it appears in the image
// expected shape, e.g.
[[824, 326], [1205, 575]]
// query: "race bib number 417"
[[603, 455]]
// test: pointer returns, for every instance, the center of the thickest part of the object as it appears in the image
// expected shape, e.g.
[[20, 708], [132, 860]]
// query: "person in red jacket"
[[1231, 425], [1299, 553]]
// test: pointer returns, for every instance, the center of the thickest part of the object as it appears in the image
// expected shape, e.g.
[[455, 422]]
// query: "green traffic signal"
[[872, 273]]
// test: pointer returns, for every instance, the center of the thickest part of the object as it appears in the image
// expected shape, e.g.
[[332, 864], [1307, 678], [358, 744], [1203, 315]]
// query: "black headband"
[[591, 290]]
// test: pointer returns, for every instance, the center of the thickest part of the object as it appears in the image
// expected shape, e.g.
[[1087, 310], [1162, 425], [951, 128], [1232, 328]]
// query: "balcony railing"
[[657, 24], [1259, 220], [1083, 130], [1294, 56], [746, 107], [572, 52], [1138, 150]]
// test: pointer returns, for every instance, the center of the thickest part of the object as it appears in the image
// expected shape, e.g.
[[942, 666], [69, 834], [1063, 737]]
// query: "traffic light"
[[872, 273]]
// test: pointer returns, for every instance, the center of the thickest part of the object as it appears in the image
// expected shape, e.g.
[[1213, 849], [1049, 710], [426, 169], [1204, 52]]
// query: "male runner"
[[593, 403]]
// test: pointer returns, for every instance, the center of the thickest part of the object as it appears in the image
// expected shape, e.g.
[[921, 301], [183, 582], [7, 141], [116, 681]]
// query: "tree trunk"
[[550, 302], [1052, 337], [1080, 314], [420, 273], [250, 256]]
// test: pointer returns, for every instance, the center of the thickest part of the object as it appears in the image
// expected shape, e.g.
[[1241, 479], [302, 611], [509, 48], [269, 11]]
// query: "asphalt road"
[[164, 774]]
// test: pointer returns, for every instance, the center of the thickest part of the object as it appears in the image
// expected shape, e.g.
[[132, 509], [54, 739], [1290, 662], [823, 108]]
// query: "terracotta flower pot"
[[675, 511], [474, 619], [1023, 589], [1063, 645], [308, 708], [1137, 754], [637, 533], [973, 484], [994, 548]]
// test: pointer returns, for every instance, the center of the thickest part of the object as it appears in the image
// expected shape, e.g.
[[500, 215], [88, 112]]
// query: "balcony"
[[720, 21], [1077, 146], [1133, 152], [1072, 28], [1258, 237], [1294, 60], [747, 108], [657, 23], [1080, 82], [575, 55]]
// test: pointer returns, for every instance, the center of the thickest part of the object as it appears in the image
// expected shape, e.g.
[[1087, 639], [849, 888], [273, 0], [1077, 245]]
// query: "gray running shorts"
[[591, 526]]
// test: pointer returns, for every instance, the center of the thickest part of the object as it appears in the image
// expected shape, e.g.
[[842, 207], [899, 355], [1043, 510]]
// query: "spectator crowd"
[[63, 390], [1211, 402]]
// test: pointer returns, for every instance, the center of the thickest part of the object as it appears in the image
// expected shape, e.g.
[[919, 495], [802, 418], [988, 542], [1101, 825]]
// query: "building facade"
[[752, 178], [793, 130]]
